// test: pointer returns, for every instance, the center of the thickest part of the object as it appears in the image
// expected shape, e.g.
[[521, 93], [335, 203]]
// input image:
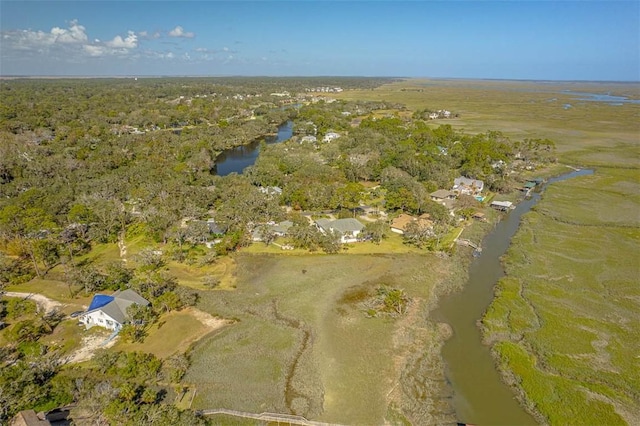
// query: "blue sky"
[[544, 40]]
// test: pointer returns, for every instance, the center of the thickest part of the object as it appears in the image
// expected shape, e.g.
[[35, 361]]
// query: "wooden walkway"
[[267, 417]]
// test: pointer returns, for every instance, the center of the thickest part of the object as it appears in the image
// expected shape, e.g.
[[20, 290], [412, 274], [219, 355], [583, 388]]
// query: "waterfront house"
[[502, 205], [347, 229], [279, 230], [399, 224]]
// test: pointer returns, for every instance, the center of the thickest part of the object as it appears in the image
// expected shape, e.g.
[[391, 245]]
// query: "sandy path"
[[88, 348], [43, 302], [208, 320]]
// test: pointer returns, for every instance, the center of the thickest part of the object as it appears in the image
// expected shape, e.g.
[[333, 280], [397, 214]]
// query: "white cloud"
[[37, 40], [93, 50], [130, 42], [74, 34], [70, 43], [73, 45], [146, 35], [179, 32]]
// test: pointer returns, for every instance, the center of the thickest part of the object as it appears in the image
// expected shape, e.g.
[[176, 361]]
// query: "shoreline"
[[440, 318]]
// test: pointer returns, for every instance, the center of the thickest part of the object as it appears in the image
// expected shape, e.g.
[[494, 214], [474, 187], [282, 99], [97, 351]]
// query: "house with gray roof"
[[468, 186], [279, 230], [442, 194], [502, 205], [110, 311], [348, 229]]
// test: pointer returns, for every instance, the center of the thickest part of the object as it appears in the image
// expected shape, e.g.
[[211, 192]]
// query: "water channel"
[[235, 160], [480, 396]]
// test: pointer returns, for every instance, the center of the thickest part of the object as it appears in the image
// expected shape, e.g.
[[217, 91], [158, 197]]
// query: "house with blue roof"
[[110, 311]]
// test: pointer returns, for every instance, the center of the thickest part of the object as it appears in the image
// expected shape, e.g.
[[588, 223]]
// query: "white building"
[[347, 229], [330, 136], [111, 311], [465, 185]]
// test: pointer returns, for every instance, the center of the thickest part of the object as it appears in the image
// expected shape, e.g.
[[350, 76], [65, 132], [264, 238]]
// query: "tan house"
[[400, 223]]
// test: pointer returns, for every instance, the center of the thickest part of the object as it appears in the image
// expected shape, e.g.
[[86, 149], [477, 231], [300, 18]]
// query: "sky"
[[535, 40]]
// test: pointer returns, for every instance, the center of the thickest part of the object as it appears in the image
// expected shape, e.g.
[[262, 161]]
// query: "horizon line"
[[150, 76]]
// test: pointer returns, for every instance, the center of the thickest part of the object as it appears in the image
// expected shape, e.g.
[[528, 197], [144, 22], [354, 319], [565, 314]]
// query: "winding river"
[[235, 160], [480, 396]]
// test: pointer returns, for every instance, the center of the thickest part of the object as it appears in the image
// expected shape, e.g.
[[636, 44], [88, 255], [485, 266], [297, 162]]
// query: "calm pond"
[[235, 160], [480, 396]]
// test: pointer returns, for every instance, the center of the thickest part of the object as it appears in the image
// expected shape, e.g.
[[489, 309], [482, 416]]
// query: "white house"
[[279, 230], [465, 185], [330, 136], [502, 205], [271, 190], [111, 311], [347, 229]]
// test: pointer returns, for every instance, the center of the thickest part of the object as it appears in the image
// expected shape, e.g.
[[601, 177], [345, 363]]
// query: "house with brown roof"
[[399, 224]]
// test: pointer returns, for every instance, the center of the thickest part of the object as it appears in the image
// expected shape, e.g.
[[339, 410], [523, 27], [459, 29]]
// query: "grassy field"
[[521, 109], [303, 343]]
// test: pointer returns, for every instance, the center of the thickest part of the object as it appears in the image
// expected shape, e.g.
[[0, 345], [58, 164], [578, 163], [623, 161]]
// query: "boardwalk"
[[267, 417]]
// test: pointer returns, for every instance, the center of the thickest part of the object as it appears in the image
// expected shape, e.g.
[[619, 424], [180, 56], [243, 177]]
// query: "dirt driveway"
[[44, 303]]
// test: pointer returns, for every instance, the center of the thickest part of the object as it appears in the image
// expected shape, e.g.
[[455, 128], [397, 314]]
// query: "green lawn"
[[173, 333]]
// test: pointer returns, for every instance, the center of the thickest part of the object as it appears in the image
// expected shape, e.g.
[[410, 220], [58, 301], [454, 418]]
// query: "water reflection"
[[235, 160]]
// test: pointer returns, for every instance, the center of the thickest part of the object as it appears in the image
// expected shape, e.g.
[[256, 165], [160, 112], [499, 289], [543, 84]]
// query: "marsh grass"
[[566, 317], [350, 364]]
